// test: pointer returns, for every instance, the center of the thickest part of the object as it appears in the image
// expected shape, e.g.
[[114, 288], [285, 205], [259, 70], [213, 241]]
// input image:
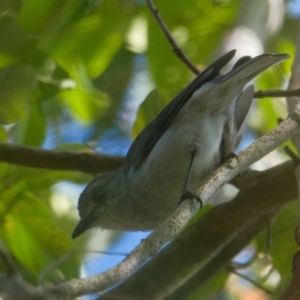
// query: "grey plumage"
[[204, 116]]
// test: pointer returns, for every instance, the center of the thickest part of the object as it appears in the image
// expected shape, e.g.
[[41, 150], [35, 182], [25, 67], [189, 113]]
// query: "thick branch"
[[177, 50], [84, 161]]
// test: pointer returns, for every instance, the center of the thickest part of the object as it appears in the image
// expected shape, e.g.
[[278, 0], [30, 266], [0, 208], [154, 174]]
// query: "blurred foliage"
[[282, 242], [149, 109], [212, 286], [73, 61]]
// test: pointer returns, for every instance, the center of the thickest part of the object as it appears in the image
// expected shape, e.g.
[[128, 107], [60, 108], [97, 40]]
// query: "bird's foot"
[[189, 195], [231, 156]]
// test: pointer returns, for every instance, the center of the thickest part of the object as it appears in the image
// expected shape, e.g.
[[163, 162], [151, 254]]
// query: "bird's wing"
[[147, 139], [243, 71]]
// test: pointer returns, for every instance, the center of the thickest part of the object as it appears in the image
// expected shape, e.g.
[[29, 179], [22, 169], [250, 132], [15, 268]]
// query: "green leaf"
[[283, 243], [7, 59], [48, 20], [10, 6], [212, 286], [33, 238], [32, 130], [4, 167], [283, 246], [3, 138], [201, 212], [3, 135], [118, 72], [41, 178], [197, 26], [17, 84], [270, 109], [16, 45], [85, 101], [46, 90], [149, 109], [92, 40]]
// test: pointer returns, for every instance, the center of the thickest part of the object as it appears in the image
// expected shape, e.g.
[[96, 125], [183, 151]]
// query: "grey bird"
[[172, 156]]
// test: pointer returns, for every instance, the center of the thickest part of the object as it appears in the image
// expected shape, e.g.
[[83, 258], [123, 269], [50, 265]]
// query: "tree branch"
[[207, 247], [279, 182], [253, 282], [223, 174], [247, 157], [177, 50], [277, 93], [181, 216], [84, 161], [147, 248]]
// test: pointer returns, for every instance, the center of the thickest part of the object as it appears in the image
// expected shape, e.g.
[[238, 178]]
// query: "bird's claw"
[[189, 195]]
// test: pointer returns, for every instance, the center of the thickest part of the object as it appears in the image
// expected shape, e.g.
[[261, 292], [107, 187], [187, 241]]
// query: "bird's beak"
[[82, 226]]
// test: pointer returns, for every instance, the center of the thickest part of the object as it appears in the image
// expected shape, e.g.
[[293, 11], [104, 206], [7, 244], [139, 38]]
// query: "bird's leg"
[[232, 155], [186, 193], [229, 156]]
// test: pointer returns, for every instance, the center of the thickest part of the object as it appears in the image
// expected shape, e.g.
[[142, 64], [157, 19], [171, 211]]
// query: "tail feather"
[[222, 92], [252, 67]]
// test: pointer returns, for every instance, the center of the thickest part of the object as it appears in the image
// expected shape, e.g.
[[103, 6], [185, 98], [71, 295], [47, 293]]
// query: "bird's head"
[[94, 203]]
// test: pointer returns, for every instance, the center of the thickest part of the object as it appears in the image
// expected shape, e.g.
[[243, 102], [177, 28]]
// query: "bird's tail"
[[224, 90], [249, 69]]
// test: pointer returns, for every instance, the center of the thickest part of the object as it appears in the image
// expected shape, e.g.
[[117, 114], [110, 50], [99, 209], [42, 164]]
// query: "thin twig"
[[177, 50], [292, 155], [67, 256], [251, 281], [277, 93]]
